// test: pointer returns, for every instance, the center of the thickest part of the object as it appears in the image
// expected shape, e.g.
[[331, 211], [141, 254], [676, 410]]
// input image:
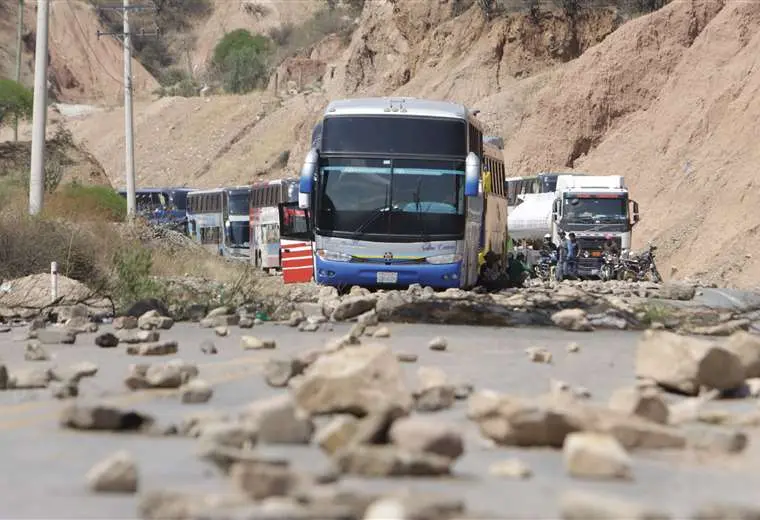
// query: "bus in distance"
[[207, 213], [264, 220], [395, 195]]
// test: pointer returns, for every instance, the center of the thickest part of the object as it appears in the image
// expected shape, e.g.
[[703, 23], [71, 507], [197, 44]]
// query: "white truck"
[[591, 206]]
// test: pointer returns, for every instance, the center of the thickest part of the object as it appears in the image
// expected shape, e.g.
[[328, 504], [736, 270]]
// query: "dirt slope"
[[83, 68], [670, 101]]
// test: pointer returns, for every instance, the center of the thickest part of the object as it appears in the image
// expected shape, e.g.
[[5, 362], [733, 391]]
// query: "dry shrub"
[[78, 203]]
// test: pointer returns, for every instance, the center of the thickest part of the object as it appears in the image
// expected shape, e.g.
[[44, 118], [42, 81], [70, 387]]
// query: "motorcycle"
[[544, 269], [640, 267], [611, 267]]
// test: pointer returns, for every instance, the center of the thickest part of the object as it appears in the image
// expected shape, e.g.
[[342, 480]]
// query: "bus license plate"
[[387, 277]]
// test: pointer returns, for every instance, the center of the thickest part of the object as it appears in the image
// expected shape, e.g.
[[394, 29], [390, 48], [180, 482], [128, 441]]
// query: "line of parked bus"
[[392, 192]]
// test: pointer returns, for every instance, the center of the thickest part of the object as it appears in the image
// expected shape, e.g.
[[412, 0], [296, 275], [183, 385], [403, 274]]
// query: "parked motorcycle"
[[544, 269], [611, 267], [640, 267]]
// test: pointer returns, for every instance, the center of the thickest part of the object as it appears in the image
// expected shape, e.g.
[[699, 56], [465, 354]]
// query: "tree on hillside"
[[240, 60], [15, 100]]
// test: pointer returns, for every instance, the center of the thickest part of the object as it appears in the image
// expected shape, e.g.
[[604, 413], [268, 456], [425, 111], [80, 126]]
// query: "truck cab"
[[593, 207]]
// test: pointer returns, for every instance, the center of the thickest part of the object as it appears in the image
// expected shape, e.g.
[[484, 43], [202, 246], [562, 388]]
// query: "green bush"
[[80, 202], [240, 61], [132, 277], [15, 100]]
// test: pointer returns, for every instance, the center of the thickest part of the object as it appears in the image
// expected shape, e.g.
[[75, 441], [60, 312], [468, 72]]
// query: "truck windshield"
[[414, 199], [593, 210]]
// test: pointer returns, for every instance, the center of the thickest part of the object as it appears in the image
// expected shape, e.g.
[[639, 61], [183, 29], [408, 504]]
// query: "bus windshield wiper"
[[376, 214], [420, 221]]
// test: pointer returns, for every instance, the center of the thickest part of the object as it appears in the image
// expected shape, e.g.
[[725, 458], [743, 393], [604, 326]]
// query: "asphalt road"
[[44, 466]]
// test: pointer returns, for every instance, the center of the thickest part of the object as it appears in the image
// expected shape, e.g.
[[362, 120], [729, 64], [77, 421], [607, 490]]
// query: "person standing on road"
[[561, 256], [571, 261]]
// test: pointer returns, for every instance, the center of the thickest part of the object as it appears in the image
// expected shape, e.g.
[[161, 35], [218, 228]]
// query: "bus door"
[[296, 244]]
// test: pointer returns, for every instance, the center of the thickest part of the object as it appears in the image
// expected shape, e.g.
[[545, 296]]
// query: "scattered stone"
[[746, 347], [35, 352], [56, 336], [337, 433], [253, 343], [510, 468], [149, 320], [160, 348], [96, 417], [196, 391], [278, 372], [572, 319], [221, 331], [65, 390], [125, 322], [434, 399], [296, 317], [684, 364], [689, 409], [514, 421], [539, 355], [308, 327], [278, 421], [81, 325], [224, 457], [260, 480], [132, 337], [216, 431], [716, 440], [420, 434], [353, 306], [581, 392], [726, 328], [676, 291], [220, 311], [583, 505], [115, 474], [83, 369], [644, 402], [414, 507], [229, 320], [107, 340], [406, 357], [208, 347], [596, 456], [389, 461], [438, 343], [29, 378], [726, 511], [573, 347], [369, 318], [382, 332], [353, 381], [245, 322], [164, 376], [341, 342], [140, 307]]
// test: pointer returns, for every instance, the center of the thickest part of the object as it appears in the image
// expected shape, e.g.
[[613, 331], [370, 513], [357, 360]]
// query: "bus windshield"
[[180, 200], [239, 234], [239, 203], [410, 198], [394, 135], [593, 209]]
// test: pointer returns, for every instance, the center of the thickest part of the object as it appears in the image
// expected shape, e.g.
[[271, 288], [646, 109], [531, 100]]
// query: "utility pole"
[[19, 35], [39, 117], [129, 131]]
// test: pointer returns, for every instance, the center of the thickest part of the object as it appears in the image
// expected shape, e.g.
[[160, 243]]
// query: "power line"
[[84, 38]]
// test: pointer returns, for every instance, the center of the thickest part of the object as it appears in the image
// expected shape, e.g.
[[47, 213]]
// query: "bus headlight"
[[444, 259], [333, 256]]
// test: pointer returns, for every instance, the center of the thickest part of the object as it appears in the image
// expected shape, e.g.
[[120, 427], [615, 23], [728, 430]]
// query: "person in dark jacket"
[[561, 256], [571, 260]]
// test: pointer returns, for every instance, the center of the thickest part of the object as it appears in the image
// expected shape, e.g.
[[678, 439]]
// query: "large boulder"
[[354, 380], [684, 364], [746, 347]]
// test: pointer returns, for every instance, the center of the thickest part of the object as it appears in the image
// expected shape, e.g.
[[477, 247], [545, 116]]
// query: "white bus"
[[207, 212], [265, 220]]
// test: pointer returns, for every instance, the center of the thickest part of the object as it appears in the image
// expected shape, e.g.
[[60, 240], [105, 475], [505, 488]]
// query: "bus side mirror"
[[555, 210], [471, 175], [635, 211], [307, 178]]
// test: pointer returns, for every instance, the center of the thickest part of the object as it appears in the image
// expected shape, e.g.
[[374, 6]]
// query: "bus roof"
[[413, 107], [207, 191]]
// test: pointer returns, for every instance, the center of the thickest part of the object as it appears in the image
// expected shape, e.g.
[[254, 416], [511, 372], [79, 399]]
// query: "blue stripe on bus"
[[366, 169]]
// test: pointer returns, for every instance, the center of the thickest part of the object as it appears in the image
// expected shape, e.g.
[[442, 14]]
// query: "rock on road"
[[45, 465]]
